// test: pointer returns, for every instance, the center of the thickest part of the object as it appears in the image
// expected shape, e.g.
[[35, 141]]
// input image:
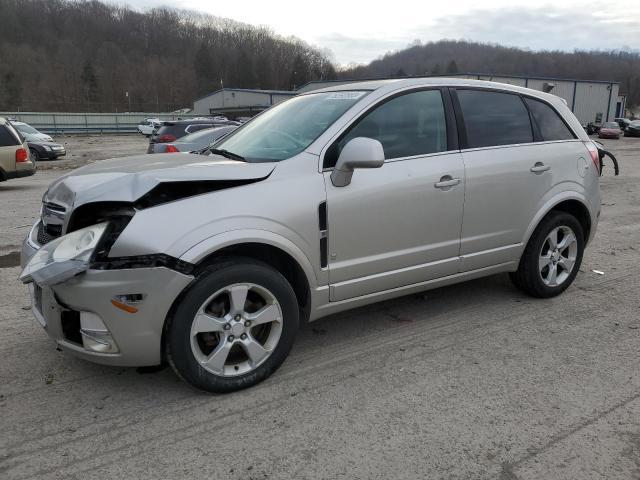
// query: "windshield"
[[24, 128], [288, 128], [610, 125]]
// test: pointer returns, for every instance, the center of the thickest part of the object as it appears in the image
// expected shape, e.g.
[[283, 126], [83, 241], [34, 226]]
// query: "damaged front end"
[[84, 213]]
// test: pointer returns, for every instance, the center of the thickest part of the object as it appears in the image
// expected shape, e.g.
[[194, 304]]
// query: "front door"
[[400, 224]]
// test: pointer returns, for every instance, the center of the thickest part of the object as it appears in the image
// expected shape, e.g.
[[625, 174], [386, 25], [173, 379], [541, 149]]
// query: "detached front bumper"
[[67, 311]]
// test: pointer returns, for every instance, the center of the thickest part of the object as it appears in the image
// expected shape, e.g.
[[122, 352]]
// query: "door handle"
[[446, 182], [540, 167]]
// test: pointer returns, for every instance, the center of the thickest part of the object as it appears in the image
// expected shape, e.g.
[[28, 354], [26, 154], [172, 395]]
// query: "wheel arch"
[[273, 255], [571, 203]]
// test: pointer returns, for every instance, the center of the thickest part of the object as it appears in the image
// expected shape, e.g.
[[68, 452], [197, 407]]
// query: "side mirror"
[[360, 152]]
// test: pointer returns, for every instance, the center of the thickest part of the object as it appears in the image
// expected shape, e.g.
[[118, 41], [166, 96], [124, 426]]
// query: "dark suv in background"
[[170, 131]]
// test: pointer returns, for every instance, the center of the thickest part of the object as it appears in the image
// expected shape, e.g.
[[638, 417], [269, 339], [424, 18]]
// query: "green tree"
[[89, 84], [452, 67]]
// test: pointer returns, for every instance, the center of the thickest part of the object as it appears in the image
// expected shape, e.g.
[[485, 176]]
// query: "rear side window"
[[7, 138], [196, 127], [549, 123], [408, 125], [494, 118]]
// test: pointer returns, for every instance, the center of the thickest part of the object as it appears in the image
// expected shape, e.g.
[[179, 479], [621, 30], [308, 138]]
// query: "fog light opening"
[[99, 341], [96, 337]]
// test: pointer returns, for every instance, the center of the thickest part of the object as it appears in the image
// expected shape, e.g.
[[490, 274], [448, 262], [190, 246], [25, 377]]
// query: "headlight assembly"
[[61, 259]]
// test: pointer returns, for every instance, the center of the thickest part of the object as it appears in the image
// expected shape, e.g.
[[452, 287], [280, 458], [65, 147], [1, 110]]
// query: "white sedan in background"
[[147, 127]]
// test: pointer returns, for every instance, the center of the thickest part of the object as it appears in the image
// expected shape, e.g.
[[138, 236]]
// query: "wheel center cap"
[[237, 329]]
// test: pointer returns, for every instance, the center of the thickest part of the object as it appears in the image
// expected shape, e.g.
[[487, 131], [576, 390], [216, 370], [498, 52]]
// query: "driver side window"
[[408, 125]]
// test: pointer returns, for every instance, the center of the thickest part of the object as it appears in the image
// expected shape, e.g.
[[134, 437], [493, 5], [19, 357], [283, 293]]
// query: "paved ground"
[[470, 381]]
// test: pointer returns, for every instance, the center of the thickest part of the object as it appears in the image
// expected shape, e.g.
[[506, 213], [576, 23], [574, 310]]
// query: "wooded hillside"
[[460, 56], [58, 55]]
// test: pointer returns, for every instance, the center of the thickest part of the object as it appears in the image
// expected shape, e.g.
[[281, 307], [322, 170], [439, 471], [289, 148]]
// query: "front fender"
[[217, 242]]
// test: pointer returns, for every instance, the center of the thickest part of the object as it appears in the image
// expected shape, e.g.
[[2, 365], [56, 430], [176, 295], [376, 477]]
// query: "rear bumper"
[[18, 174]]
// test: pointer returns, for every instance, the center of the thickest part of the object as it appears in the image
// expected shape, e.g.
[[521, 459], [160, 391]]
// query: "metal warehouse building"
[[590, 100], [238, 101]]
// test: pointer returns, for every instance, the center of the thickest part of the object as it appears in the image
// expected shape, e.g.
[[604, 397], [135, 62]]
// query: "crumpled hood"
[[129, 178]]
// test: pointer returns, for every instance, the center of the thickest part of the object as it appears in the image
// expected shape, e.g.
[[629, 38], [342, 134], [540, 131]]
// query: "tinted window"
[[549, 123], [412, 124], [493, 118], [7, 138], [195, 128]]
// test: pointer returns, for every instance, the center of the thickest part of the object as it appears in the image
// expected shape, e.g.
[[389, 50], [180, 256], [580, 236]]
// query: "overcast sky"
[[361, 31]]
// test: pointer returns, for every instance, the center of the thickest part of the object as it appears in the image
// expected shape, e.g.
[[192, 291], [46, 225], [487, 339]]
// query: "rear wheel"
[[234, 328], [552, 257]]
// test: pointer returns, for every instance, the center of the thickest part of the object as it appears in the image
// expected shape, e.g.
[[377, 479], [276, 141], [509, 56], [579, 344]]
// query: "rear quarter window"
[[7, 136], [549, 123], [494, 118]]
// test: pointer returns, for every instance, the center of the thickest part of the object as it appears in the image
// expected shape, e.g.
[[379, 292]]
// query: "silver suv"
[[331, 200]]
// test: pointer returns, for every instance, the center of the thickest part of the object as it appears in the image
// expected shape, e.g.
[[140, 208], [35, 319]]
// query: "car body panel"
[[502, 195], [128, 179], [366, 256]]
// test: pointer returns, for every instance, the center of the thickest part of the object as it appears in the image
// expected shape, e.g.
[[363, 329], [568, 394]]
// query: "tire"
[[214, 341], [35, 156], [535, 274]]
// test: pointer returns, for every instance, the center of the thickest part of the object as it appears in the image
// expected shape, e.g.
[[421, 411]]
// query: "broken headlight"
[[64, 257]]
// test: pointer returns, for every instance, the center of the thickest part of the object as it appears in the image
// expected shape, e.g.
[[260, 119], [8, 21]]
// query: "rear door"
[[399, 224], [509, 168]]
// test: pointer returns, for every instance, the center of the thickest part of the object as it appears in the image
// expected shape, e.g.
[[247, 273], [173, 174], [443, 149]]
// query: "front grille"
[[48, 233], [50, 227]]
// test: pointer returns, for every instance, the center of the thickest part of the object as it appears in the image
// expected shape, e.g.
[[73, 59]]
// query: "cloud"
[[539, 28], [531, 28]]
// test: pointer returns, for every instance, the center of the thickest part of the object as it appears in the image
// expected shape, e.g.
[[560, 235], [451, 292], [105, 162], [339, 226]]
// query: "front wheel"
[[234, 327], [552, 257]]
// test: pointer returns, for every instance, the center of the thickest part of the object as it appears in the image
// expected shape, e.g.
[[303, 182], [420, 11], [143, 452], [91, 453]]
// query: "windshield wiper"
[[225, 153]]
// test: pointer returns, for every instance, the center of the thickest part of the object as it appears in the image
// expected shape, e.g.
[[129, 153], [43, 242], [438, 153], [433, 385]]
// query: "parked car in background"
[[46, 150], [623, 123], [633, 129], [330, 200], [31, 134], [171, 131], [610, 130], [15, 161], [193, 141], [147, 127]]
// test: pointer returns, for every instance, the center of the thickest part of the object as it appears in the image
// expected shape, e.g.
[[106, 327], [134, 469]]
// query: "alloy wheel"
[[558, 256], [236, 329]]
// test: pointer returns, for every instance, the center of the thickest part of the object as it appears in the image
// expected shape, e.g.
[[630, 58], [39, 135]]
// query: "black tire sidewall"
[[35, 154], [239, 271], [554, 220]]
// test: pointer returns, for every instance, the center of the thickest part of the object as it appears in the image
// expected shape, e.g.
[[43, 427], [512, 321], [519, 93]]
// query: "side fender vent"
[[322, 227]]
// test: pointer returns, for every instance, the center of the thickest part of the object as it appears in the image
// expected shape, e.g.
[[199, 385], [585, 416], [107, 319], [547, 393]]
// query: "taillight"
[[595, 156], [21, 155], [171, 149], [166, 138]]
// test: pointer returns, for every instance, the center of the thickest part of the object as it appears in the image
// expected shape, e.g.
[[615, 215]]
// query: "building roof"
[[250, 90], [474, 74]]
